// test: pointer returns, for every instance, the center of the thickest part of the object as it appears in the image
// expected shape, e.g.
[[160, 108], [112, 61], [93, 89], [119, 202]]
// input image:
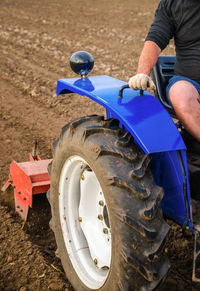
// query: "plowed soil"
[[37, 39]]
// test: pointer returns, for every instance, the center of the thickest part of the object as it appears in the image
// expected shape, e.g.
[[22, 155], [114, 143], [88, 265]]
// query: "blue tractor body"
[[152, 129]]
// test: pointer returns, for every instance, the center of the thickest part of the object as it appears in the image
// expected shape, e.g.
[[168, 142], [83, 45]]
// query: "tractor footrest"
[[196, 254], [27, 179]]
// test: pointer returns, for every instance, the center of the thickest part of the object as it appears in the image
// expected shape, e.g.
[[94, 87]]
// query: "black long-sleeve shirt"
[[179, 19]]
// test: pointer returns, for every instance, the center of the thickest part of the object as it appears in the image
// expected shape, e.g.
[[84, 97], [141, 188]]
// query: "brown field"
[[37, 39]]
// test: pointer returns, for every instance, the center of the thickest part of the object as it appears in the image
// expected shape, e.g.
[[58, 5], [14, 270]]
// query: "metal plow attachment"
[[25, 180]]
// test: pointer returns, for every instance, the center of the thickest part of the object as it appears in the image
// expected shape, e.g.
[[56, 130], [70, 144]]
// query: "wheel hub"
[[84, 221], [92, 210]]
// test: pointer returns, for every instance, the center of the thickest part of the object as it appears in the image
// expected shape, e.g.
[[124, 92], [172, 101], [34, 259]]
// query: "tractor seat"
[[161, 73]]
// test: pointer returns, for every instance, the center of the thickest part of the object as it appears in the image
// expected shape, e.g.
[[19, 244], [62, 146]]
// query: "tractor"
[[113, 181]]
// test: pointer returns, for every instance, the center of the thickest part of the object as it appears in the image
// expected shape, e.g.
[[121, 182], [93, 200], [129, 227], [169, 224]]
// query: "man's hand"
[[141, 81]]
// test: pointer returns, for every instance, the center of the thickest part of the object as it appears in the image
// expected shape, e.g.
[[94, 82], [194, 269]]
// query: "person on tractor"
[[180, 20]]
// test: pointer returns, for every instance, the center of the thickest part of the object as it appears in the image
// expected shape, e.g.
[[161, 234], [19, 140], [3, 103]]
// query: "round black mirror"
[[81, 63]]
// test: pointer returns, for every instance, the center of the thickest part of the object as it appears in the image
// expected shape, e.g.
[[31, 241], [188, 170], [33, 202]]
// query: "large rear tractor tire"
[[106, 211]]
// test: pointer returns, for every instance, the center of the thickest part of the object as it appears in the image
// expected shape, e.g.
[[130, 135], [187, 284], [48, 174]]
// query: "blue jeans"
[[175, 79]]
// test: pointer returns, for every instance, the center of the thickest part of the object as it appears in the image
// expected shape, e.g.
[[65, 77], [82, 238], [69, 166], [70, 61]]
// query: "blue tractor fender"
[[152, 129]]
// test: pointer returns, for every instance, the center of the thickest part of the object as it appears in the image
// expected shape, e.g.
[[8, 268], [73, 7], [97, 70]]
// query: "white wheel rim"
[[84, 222]]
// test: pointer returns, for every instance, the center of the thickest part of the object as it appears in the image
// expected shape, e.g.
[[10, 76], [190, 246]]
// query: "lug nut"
[[105, 230], [95, 261], [82, 177], [80, 219], [101, 203], [100, 217]]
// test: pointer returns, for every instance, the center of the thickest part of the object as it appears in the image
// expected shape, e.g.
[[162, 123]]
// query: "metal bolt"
[[24, 198], [95, 261], [101, 203], [105, 230], [80, 219], [18, 206], [100, 217], [19, 192], [82, 177]]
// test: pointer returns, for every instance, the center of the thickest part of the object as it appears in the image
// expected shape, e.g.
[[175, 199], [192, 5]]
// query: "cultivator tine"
[[7, 195], [196, 255]]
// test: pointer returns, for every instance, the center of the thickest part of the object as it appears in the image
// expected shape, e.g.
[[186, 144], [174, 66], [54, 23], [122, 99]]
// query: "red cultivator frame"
[[27, 179]]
